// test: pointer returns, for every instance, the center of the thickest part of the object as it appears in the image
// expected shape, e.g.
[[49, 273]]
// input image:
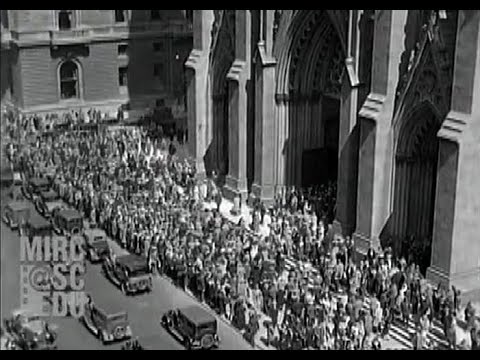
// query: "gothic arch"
[[296, 29], [308, 81], [410, 133], [416, 158]]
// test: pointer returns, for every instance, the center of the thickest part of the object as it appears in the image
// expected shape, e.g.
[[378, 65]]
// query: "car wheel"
[[207, 342], [124, 289], [186, 343]]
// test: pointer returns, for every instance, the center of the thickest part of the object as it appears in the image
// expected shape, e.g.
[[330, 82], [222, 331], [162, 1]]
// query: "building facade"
[[56, 60], [384, 102]]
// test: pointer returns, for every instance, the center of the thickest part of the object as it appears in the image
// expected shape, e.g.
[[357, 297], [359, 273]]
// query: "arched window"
[[69, 80]]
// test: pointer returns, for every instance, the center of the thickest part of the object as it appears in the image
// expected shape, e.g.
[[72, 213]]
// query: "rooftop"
[[196, 314]]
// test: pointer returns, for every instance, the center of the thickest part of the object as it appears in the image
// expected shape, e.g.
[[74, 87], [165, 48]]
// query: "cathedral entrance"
[[320, 165], [415, 185], [309, 81], [216, 158]]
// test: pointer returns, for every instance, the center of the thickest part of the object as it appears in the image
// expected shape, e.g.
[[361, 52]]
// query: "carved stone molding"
[[372, 107]]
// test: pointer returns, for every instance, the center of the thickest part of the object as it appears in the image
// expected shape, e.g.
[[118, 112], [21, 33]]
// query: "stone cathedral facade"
[[384, 102]]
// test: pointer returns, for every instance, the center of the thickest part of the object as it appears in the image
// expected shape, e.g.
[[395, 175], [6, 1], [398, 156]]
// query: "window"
[[120, 16], [65, 19], [158, 46], [122, 49], [122, 76], [155, 15], [69, 80], [158, 70]]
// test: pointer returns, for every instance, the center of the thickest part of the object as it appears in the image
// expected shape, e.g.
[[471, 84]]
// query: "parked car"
[[67, 221], [47, 202], [129, 272], [15, 213], [34, 186], [106, 321], [38, 226], [30, 331], [96, 245], [194, 326]]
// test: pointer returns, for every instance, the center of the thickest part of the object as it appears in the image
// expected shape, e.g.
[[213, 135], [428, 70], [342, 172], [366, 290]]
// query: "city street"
[[144, 311]]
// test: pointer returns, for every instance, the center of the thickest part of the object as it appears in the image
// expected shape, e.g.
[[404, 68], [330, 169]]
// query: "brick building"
[[53, 60]]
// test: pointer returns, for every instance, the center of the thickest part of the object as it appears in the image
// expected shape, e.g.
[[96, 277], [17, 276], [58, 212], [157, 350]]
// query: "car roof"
[[95, 232], [18, 205], [197, 315], [104, 302], [48, 193], [69, 214], [38, 222], [132, 260], [39, 181]]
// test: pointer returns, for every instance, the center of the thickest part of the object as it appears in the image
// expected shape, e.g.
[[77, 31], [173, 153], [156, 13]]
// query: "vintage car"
[[38, 226], [194, 326], [15, 213], [67, 221], [47, 202], [30, 332], [129, 272], [96, 245], [108, 323], [34, 186]]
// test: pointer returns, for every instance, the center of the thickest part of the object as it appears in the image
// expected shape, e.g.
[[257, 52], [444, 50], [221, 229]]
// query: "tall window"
[[69, 80], [120, 16], [122, 76], [65, 19], [155, 15]]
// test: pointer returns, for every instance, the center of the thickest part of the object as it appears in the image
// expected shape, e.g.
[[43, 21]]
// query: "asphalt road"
[[144, 311]]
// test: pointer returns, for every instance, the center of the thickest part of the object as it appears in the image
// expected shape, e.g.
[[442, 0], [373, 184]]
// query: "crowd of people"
[[152, 204], [18, 126]]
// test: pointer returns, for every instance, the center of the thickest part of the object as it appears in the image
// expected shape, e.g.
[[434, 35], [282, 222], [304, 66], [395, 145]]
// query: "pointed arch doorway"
[[416, 161]]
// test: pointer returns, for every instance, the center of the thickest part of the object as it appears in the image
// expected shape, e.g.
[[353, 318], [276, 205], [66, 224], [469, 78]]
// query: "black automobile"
[[194, 326], [34, 187], [96, 245], [67, 221], [47, 202]]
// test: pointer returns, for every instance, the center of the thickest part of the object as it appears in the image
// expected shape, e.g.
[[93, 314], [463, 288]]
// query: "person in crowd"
[[286, 263]]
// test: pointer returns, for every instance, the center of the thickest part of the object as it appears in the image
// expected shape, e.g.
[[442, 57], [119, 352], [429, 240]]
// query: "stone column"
[[197, 94], [456, 247], [263, 185], [239, 74], [375, 117], [344, 223]]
